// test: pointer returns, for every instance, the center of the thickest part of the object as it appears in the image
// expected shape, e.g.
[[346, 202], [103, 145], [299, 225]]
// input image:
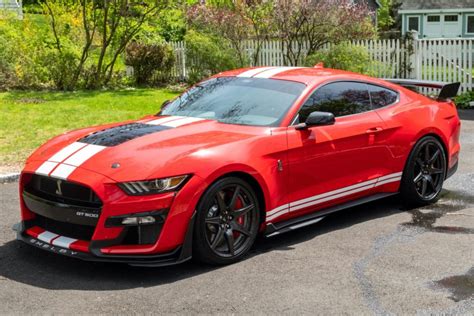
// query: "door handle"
[[374, 130]]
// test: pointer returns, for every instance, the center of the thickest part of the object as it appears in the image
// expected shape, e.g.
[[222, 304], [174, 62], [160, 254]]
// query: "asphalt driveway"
[[377, 258]]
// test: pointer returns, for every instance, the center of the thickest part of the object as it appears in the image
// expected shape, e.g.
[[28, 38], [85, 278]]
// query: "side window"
[[382, 97], [339, 98]]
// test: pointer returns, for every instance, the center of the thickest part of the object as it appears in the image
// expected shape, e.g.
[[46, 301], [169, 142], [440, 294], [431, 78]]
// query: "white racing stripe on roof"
[[273, 72], [67, 151], [181, 122], [164, 120], [253, 72]]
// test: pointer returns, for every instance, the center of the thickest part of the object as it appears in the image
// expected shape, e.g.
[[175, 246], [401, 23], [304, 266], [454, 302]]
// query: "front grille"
[[81, 232], [64, 208], [62, 191]]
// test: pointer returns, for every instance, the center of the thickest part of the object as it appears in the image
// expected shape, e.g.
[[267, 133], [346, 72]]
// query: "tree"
[[107, 27], [304, 26], [259, 13], [229, 23], [384, 20]]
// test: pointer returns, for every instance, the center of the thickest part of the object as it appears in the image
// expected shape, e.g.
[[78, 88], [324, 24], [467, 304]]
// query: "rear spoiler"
[[448, 90]]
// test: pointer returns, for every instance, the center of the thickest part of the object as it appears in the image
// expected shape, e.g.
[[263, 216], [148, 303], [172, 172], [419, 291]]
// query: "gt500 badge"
[[87, 214]]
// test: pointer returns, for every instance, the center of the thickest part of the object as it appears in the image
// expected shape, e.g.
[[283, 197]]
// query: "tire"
[[424, 173], [227, 222]]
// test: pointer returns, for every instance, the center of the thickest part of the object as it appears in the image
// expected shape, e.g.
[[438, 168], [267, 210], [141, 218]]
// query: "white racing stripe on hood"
[[273, 72], [67, 151], [84, 154], [63, 171], [68, 159], [253, 72], [46, 168]]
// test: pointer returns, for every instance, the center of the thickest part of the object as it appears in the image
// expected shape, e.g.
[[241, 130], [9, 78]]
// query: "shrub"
[[150, 62], [20, 59], [343, 56], [208, 55], [463, 100]]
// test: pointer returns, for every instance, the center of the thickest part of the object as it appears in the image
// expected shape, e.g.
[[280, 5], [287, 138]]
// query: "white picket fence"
[[447, 60]]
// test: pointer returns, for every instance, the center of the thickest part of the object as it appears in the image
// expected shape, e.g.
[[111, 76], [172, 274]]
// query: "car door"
[[335, 163]]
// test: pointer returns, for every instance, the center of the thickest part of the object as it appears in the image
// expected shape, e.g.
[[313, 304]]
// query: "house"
[[438, 18], [12, 6]]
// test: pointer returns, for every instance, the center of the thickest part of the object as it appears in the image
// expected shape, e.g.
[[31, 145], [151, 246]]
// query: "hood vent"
[[120, 134]]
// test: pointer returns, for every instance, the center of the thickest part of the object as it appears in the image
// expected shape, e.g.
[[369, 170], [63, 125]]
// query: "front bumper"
[[179, 255], [95, 237]]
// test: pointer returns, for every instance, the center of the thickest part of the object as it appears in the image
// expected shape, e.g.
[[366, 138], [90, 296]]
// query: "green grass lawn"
[[28, 119]]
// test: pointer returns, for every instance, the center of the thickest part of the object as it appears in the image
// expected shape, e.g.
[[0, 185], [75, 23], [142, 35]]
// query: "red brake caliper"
[[238, 205]]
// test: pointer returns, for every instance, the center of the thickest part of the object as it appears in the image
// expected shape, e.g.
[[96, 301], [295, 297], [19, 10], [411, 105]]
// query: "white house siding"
[[13, 6], [440, 23]]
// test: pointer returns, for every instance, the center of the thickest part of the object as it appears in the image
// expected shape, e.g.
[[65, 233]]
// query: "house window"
[[434, 18], [414, 23], [450, 18], [470, 24]]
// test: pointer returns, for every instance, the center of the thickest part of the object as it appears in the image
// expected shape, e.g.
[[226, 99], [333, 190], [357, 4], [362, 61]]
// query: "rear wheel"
[[424, 173], [227, 222]]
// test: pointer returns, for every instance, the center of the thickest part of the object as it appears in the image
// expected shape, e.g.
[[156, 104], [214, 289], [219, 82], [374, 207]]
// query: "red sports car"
[[260, 150]]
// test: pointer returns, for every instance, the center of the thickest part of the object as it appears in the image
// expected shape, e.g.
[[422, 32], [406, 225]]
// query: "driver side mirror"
[[317, 118]]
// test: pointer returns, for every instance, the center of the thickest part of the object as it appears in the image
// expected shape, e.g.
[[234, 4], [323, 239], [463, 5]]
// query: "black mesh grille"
[[81, 232], [62, 191]]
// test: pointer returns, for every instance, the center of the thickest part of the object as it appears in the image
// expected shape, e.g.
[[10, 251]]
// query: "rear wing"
[[448, 90]]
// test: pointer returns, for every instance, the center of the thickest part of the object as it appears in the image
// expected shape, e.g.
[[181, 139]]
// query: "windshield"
[[234, 100]]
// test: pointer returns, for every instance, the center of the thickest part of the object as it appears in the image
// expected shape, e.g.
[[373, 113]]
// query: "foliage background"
[[88, 44]]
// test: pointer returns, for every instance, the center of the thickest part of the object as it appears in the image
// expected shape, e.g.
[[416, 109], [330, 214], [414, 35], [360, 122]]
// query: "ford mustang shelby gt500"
[[249, 151]]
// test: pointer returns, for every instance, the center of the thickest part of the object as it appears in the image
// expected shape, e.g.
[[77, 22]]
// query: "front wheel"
[[227, 222], [424, 173]]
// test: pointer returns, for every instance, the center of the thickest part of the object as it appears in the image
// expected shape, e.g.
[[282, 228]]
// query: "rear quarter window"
[[381, 97]]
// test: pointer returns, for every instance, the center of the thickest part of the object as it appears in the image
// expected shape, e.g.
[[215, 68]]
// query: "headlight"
[[154, 186]]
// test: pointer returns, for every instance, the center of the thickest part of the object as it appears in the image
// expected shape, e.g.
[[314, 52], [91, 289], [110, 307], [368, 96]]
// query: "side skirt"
[[309, 219]]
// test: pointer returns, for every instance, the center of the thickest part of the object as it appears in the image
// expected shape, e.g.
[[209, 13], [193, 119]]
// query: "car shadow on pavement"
[[25, 264]]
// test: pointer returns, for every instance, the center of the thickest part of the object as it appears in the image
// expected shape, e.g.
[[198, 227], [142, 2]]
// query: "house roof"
[[436, 4]]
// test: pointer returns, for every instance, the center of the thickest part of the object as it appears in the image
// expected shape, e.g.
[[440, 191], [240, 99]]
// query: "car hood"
[[149, 148]]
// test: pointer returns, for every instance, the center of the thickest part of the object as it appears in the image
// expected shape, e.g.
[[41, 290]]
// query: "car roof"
[[310, 76]]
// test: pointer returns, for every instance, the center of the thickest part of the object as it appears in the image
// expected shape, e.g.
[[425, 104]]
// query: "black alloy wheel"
[[227, 222], [429, 170], [424, 173]]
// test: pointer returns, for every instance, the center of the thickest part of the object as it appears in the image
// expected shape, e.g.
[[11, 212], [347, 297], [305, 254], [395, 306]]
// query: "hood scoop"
[[120, 134]]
